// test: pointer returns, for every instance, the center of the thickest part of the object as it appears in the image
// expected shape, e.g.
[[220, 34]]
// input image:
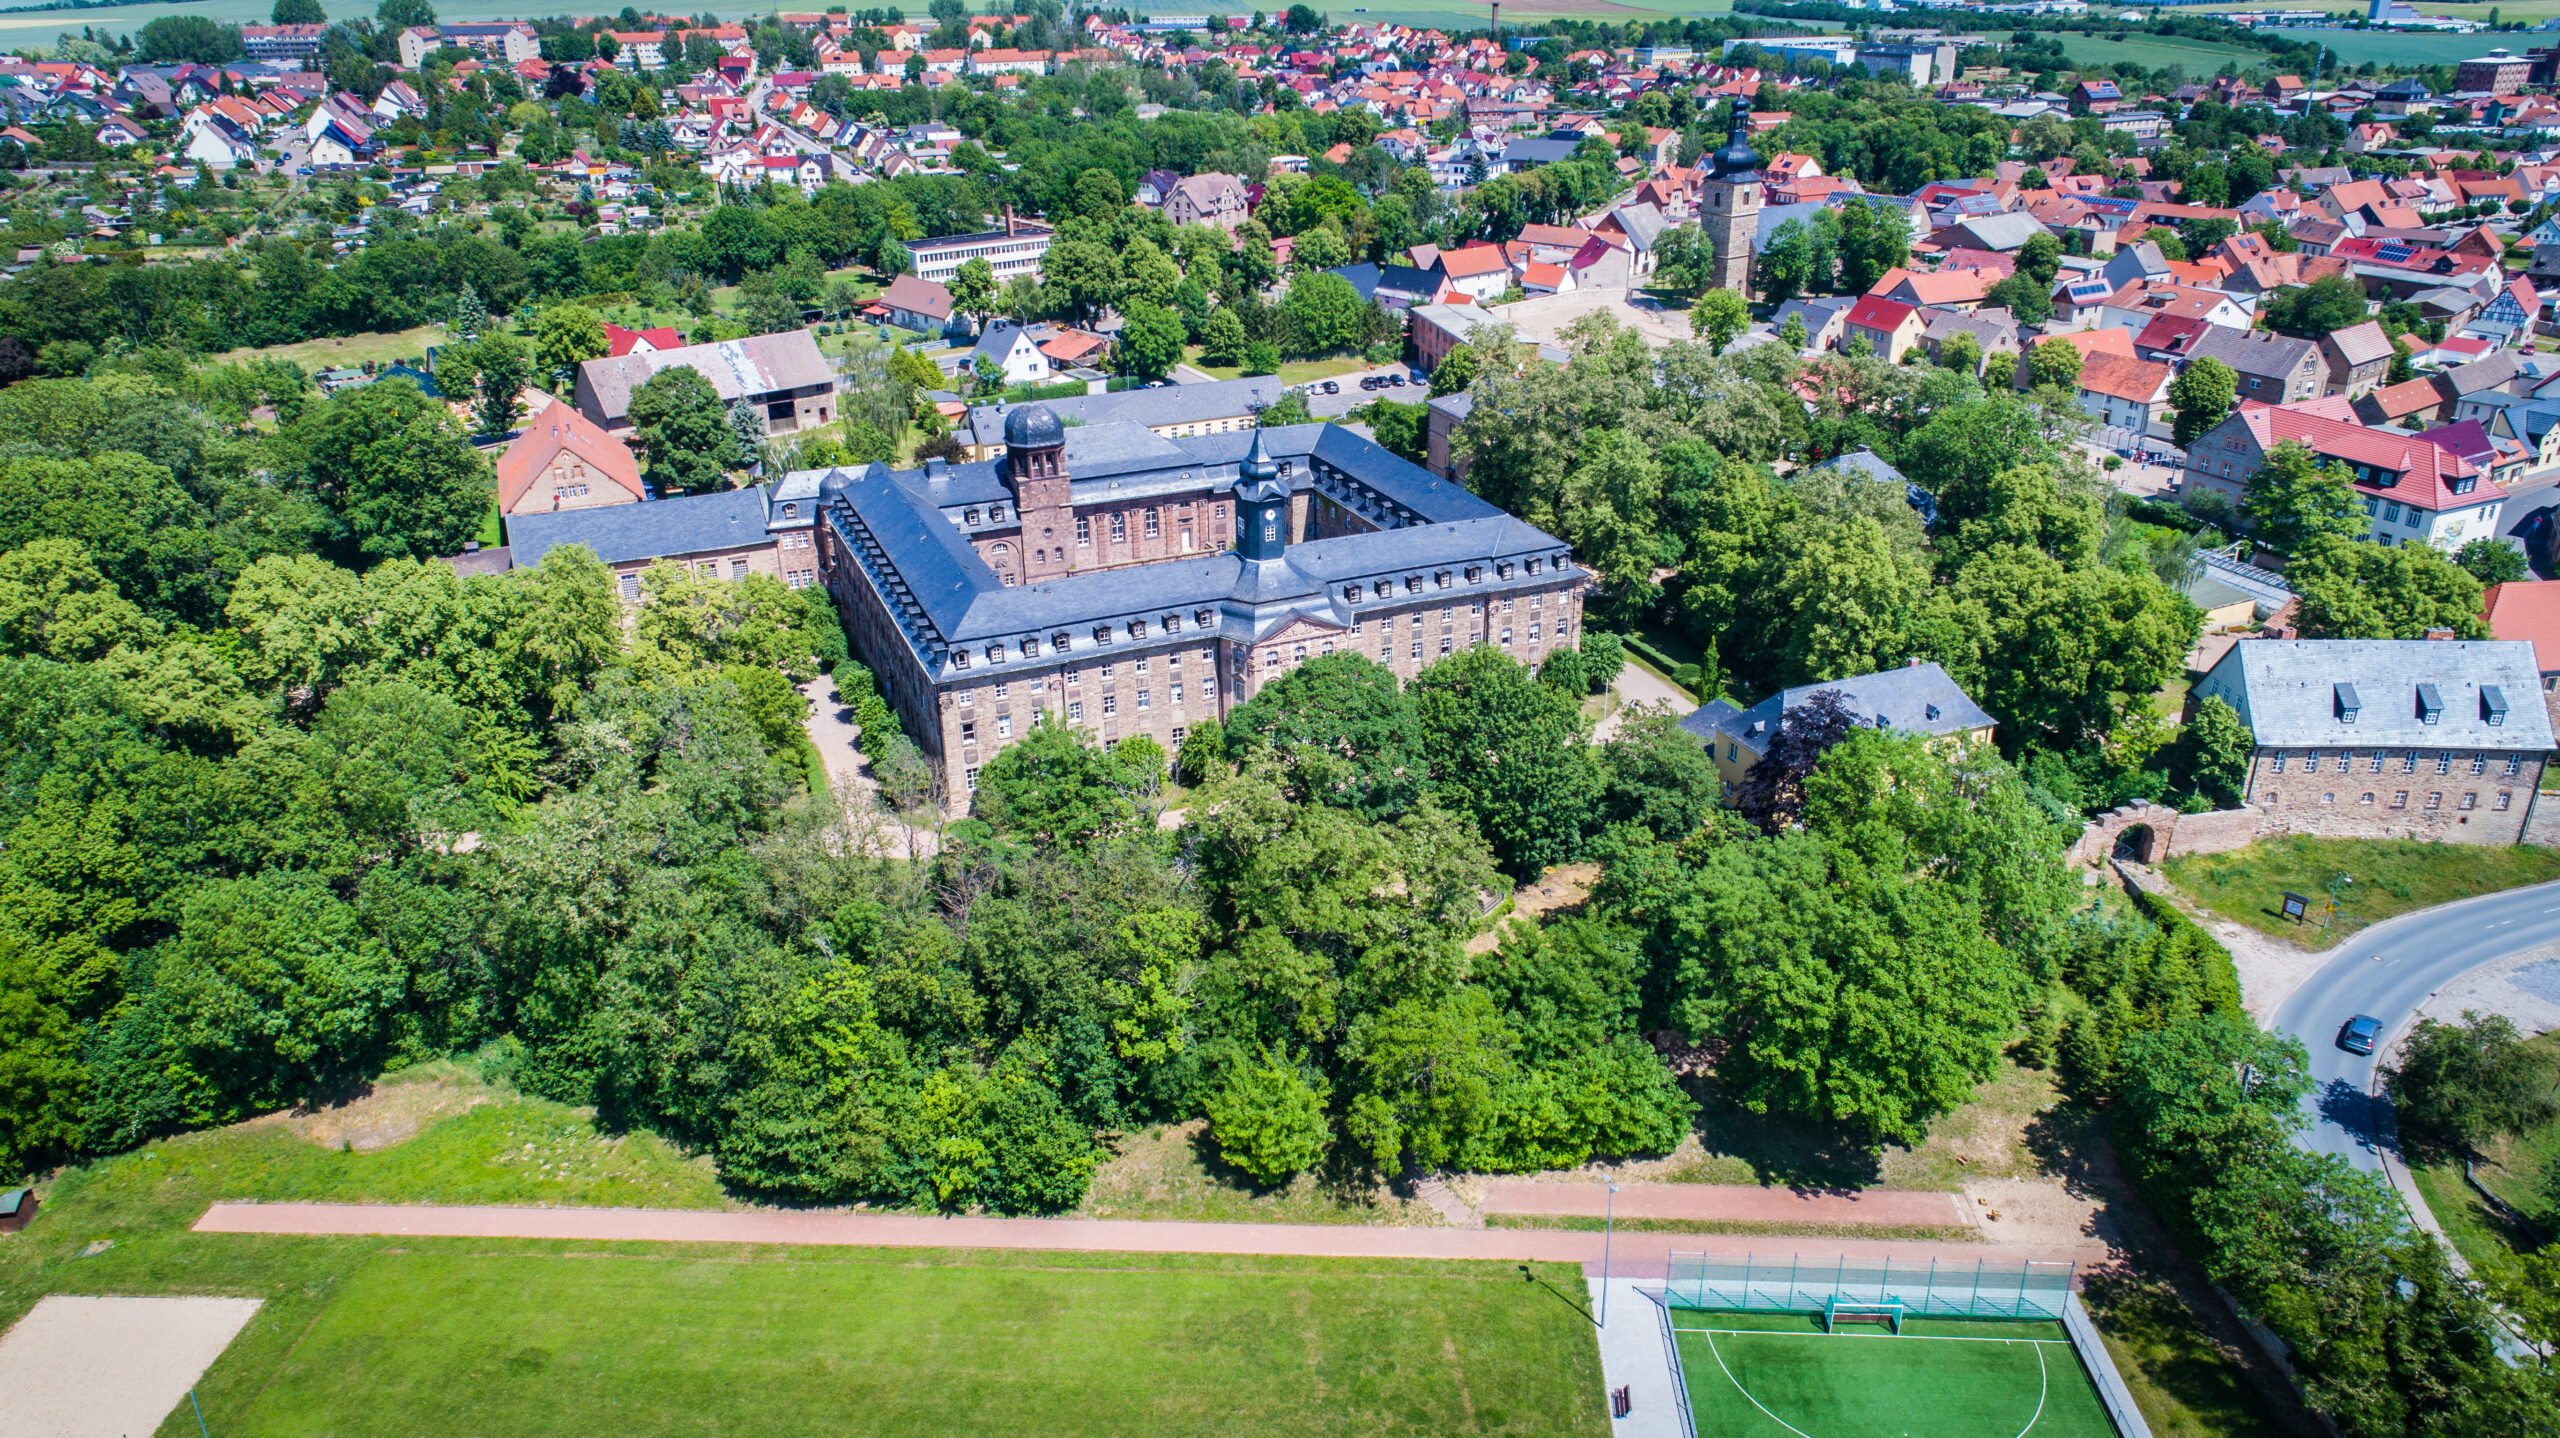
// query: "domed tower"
[[1262, 505], [1729, 203], [1035, 464]]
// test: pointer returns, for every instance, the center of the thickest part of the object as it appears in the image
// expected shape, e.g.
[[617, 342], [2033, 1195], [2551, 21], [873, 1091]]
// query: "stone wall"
[[2542, 826], [2165, 833]]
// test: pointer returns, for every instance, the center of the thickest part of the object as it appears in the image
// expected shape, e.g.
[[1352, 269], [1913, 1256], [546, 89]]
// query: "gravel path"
[[1634, 1254], [832, 729], [1728, 1203]]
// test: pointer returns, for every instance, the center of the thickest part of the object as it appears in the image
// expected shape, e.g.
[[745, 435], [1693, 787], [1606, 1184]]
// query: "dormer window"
[[791, 511], [2344, 700], [1137, 629], [2430, 704], [1102, 634], [995, 654], [1061, 642], [2493, 705], [970, 518]]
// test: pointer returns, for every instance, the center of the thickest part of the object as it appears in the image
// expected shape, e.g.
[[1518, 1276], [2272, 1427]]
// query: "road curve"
[[2388, 971]]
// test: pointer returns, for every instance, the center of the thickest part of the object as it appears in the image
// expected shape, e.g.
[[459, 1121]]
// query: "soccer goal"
[[1837, 1310]]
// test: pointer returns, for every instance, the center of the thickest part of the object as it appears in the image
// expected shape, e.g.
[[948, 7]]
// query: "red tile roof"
[[560, 427], [2123, 377], [1875, 312], [2527, 609], [2427, 474]]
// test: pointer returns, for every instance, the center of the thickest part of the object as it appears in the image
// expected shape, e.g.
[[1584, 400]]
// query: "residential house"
[[563, 460], [2358, 359], [915, 304], [2388, 738], [1888, 327], [2273, 369], [1919, 698], [2123, 391], [2528, 611], [1480, 272], [1212, 199], [1994, 330], [1013, 352], [2413, 492]]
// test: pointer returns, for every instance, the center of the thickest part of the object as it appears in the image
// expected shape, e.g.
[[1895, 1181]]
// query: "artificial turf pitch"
[[1769, 1375]]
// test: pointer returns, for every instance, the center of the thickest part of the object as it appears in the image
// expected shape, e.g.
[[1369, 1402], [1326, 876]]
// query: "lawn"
[[2386, 877], [542, 1339], [1298, 371], [2520, 1171], [385, 1336], [346, 351]]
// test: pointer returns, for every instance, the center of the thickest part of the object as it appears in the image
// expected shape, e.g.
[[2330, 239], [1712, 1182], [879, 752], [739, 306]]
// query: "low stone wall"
[[2542, 826], [2164, 833]]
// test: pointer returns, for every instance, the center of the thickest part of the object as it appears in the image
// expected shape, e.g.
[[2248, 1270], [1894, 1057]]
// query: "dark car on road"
[[2360, 1034]]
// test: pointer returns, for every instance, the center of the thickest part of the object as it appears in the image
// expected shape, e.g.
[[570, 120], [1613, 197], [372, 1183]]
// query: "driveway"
[[2390, 971], [876, 826], [1334, 406], [1636, 685]]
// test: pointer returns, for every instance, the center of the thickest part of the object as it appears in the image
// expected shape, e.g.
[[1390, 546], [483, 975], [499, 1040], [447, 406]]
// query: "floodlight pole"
[[1608, 1230]]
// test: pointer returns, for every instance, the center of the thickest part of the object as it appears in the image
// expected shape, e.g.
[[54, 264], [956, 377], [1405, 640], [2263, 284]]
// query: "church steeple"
[[1262, 504]]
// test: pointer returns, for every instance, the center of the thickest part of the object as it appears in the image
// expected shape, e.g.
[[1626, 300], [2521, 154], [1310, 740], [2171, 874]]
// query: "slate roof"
[[1915, 699], [634, 533], [901, 528], [2292, 693], [1174, 404]]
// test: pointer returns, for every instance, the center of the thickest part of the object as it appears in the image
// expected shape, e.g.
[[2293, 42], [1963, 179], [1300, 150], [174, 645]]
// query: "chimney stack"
[[2440, 634]]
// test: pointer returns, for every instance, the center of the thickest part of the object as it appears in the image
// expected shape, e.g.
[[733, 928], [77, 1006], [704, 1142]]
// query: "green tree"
[[1269, 1121], [2324, 306], [1261, 357], [2212, 756], [1509, 751], [1720, 317], [680, 426], [1343, 730], [2296, 500], [1052, 786], [393, 469], [2354, 590], [973, 289], [1222, 340], [1324, 315], [297, 12], [1960, 352], [54, 604], [1455, 372], [2055, 362], [2463, 1085], [1150, 342], [2040, 259], [2201, 397], [187, 39], [1684, 261], [568, 336], [504, 369], [2492, 561]]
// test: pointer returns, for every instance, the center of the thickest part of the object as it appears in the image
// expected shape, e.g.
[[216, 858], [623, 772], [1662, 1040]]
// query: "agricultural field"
[[346, 351], [2197, 57]]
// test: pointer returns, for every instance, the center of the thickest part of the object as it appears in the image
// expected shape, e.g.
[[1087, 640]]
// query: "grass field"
[[1994, 1136], [1295, 371], [344, 350], [539, 1339], [1766, 1375], [397, 1337], [2518, 1170], [2388, 877]]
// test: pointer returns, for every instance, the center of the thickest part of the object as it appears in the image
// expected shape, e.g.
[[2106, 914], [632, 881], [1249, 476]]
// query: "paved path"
[[1642, 1255], [1638, 1353], [1635, 685], [832, 729], [1728, 1203], [2389, 971]]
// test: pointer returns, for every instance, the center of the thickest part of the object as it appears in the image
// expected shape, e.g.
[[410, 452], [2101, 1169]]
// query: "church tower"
[[1729, 202]]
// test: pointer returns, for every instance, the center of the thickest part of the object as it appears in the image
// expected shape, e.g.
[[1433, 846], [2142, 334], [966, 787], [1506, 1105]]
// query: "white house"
[[1014, 352], [218, 144]]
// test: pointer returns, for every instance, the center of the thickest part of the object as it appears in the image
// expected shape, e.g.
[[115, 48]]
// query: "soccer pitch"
[[1772, 1375]]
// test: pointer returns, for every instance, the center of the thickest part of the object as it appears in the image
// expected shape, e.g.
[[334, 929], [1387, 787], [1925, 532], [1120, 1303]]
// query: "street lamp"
[[1608, 1230]]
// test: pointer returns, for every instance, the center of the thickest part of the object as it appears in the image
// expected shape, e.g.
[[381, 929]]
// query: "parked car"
[[1395, 381], [2360, 1034], [1330, 387]]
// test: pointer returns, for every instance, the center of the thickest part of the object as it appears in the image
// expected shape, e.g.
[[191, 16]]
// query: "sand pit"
[[109, 1367]]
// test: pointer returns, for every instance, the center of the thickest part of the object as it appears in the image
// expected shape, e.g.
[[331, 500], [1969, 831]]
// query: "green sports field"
[[1771, 1375]]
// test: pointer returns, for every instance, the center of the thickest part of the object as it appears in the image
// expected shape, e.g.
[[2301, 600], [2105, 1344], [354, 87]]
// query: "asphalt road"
[[2388, 971]]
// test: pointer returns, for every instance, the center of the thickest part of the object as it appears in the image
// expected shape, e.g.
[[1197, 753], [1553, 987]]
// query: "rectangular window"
[[1417, 650], [2515, 765], [1506, 638], [1119, 529], [1144, 698], [2435, 798], [1153, 527], [1177, 736], [631, 589], [970, 778], [1075, 711], [2444, 763], [2479, 765], [1084, 532], [2400, 799], [2377, 762], [1173, 696], [2470, 799], [2278, 765], [2346, 761], [968, 733], [1110, 704], [1004, 726], [2408, 761], [2505, 798]]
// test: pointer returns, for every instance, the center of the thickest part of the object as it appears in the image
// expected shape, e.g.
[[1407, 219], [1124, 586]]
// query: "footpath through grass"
[[1764, 1375], [2387, 877]]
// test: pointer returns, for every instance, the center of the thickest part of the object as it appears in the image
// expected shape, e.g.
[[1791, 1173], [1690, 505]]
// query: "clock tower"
[[1729, 202]]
